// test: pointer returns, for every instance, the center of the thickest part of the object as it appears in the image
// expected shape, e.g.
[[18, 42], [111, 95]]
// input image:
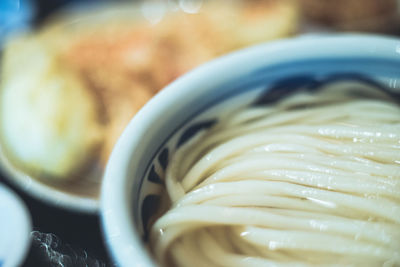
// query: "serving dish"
[[88, 70], [131, 192]]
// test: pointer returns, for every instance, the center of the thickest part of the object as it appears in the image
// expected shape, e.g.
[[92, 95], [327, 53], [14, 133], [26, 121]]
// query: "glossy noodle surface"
[[311, 180]]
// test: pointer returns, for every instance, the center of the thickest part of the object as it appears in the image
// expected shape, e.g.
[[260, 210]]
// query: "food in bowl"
[[69, 89], [49, 121], [306, 177], [133, 191]]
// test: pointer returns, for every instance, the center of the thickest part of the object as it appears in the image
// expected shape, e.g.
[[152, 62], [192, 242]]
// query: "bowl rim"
[[45, 192], [124, 244]]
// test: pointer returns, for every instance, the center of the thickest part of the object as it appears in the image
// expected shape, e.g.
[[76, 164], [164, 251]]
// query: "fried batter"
[[123, 60]]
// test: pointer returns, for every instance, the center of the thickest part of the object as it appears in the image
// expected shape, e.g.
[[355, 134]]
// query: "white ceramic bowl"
[[60, 196], [132, 178], [15, 228]]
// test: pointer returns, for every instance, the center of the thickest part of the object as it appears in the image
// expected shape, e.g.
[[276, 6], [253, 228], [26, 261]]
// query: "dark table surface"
[[60, 237]]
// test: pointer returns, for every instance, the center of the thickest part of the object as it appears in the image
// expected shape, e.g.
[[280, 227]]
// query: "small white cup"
[[15, 228]]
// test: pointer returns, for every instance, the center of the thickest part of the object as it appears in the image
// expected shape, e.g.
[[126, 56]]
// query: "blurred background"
[[349, 15]]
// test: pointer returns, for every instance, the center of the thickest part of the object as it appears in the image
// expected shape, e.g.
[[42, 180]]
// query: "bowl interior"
[[262, 87], [133, 191]]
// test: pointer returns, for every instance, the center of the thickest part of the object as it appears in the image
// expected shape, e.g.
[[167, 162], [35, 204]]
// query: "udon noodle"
[[312, 180]]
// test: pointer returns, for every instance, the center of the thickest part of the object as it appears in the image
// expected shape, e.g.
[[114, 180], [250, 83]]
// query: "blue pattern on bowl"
[[191, 131], [151, 137], [270, 91], [163, 158]]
